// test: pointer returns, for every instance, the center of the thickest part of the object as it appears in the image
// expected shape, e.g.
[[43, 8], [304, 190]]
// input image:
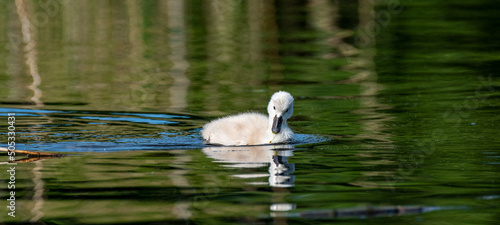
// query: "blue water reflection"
[[100, 132], [133, 120]]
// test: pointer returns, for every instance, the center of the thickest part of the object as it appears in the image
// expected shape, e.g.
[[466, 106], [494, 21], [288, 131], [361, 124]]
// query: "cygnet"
[[253, 128]]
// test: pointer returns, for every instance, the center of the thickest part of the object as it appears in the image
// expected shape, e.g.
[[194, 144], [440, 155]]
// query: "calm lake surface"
[[396, 111]]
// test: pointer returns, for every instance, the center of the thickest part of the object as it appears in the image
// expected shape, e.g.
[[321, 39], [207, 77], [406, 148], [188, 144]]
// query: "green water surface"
[[396, 105]]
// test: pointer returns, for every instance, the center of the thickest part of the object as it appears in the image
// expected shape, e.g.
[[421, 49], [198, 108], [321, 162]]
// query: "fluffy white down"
[[252, 128]]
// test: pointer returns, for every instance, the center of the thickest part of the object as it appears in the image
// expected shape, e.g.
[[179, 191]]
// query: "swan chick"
[[253, 128]]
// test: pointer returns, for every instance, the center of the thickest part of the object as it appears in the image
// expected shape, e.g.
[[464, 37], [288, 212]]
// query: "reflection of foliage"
[[232, 63], [222, 5]]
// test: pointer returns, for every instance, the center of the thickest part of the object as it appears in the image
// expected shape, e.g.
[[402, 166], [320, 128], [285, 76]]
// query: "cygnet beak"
[[277, 124]]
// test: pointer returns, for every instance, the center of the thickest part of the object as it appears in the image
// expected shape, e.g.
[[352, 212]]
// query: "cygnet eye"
[[274, 107], [286, 110]]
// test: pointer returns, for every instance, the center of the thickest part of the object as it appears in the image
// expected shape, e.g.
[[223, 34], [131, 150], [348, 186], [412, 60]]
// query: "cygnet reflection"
[[273, 156]]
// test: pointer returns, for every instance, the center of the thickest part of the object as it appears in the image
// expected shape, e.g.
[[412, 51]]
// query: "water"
[[396, 111]]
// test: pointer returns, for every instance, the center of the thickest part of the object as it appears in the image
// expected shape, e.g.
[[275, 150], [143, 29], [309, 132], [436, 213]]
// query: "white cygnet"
[[253, 128]]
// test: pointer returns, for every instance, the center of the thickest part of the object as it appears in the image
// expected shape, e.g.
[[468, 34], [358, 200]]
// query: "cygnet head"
[[280, 108]]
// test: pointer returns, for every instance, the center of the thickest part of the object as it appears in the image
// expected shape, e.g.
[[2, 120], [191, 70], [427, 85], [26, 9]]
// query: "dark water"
[[396, 111]]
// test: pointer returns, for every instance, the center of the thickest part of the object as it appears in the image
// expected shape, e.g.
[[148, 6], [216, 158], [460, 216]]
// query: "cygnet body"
[[253, 128]]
